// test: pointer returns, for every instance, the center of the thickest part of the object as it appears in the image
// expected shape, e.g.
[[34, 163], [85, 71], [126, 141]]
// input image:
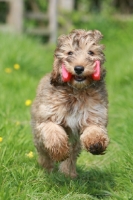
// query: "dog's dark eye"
[[70, 53], [91, 53]]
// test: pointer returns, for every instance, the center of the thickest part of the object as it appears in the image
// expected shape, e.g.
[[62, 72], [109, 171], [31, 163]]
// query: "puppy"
[[70, 111]]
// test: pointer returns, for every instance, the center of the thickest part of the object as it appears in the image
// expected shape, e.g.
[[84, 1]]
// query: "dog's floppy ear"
[[97, 35], [55, 75]]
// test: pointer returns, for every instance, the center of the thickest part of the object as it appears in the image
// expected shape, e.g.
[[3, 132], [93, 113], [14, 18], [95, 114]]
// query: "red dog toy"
[[96, 74], [66, 76]]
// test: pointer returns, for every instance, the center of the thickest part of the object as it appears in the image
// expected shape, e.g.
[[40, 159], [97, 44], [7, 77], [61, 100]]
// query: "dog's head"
[[78, 53]]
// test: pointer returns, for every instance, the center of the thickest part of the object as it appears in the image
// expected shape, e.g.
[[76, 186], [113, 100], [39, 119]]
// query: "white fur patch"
[[72, 122]]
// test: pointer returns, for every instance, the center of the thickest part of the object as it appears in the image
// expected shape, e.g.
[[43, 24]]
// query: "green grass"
[[108, 177]]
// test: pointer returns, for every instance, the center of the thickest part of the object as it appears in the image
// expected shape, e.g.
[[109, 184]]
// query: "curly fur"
[[68, 116]]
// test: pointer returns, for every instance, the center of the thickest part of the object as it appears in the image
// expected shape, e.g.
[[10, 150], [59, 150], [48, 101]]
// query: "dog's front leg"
[[55, 141], [94, 139]]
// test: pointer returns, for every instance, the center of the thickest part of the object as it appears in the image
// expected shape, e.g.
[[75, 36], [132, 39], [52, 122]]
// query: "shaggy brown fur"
[[68, 116]]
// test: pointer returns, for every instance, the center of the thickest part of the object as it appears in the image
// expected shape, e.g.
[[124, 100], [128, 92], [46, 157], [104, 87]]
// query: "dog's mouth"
[[79, 78]]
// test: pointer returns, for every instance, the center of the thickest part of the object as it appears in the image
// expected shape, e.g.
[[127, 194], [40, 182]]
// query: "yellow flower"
[[1, 139], [30, 154], [17, 123], [28, 102], [8, 70], [17, 66]]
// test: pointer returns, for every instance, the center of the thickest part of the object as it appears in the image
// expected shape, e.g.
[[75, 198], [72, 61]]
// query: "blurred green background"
[[33, 17]]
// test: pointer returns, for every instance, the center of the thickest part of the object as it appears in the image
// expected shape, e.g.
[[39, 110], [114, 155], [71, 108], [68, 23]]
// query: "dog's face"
[[78, 52]]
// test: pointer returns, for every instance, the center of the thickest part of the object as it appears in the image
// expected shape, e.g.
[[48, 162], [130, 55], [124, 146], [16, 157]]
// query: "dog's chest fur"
[[74, 120], [78, 115], [79, 111]]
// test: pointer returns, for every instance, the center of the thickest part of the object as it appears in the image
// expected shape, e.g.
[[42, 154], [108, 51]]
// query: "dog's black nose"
[[78, 69]]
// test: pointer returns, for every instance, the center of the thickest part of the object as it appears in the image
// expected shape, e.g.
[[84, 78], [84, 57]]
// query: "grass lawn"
[[108, 177]]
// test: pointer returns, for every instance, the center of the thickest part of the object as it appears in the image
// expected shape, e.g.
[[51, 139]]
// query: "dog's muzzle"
[[78, 77]]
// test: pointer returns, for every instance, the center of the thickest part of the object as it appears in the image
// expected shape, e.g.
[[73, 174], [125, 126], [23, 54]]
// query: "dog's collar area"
[[93, 84]]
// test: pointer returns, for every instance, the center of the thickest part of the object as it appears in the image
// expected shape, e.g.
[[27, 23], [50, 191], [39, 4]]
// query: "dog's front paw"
[[55, 141], [95, 140], [59, 152], [97, 148]]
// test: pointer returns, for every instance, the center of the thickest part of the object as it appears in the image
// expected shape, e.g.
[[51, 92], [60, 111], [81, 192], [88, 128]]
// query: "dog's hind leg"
[[45, 161], [68, 166]]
